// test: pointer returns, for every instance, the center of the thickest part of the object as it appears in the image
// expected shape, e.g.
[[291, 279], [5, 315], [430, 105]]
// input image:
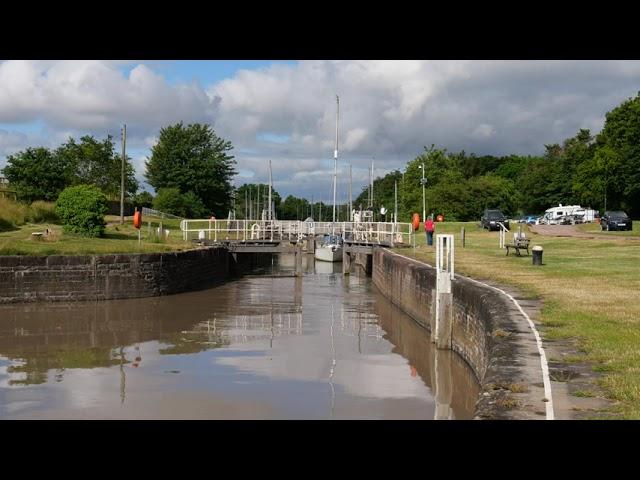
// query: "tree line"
[[191, 169], [597, 171]]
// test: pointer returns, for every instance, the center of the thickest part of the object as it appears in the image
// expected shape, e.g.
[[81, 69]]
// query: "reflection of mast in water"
[[271, 313], [122, 377], [333, 364]]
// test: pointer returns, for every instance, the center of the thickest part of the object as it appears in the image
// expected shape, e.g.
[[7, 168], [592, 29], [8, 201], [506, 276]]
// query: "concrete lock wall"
[[105, 277], [488, 332]]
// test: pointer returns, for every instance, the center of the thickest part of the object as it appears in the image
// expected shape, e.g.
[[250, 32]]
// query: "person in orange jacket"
[[429, 228]]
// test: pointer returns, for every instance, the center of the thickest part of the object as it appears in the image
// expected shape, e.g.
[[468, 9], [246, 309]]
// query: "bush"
[[42, 212], [143, 199], [170, 200], [12, 214], [82, 209], [193, 206]]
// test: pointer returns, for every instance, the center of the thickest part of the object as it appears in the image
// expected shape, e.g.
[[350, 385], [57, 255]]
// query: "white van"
[[577, 214], [553, 216]]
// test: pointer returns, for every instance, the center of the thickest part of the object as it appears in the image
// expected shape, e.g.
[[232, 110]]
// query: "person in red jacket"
[[429, 227]]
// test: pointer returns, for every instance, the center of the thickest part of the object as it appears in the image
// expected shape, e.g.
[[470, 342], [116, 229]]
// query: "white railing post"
[[441, 324]]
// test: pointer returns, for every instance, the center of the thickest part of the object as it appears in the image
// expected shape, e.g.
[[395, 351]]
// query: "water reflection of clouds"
[[380, 374], [271, 343]]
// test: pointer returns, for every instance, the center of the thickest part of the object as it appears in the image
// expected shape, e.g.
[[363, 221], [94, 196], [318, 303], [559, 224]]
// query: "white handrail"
[[367, 232], [503, 231]]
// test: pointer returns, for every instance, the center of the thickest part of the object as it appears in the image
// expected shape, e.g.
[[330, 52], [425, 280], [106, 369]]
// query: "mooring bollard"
[[443, 311], [536, 253]]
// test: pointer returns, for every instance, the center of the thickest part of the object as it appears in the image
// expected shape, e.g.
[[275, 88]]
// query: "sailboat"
[[330, 248]]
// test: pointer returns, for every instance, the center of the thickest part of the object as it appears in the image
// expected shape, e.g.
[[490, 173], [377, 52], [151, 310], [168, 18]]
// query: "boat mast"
[[335, 159], [270, 186]]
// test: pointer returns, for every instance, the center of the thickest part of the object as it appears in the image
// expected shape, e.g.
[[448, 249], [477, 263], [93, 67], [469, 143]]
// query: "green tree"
[[599, 181], [193, 159], [187, 205], [81, 209], [621, 134], [170, 200], [294, 208], [37, 174], [438, 167], [97, 162], [249, 192], [143, 199]]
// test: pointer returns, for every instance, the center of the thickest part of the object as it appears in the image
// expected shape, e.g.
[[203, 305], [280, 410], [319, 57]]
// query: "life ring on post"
[[137, 219], [416, 221]]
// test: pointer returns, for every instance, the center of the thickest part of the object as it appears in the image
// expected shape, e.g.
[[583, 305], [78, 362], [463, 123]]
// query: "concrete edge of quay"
[[490, 332]]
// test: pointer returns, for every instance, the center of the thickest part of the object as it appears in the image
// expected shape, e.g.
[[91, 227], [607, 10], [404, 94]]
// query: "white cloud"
[[389, 109], [483, 131], [93, 95]]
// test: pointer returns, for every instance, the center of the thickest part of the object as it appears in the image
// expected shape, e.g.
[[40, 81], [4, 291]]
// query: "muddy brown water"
[[321, 346]]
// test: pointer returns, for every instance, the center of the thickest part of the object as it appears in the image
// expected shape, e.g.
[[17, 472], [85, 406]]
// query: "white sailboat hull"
[[328, 253]]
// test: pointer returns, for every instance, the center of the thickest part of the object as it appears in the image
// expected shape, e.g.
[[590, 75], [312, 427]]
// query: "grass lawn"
[[595, 228], [117, 239], [590, 292]]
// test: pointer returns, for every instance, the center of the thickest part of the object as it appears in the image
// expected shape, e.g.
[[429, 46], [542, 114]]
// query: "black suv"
[[492, 218], [617, 220]]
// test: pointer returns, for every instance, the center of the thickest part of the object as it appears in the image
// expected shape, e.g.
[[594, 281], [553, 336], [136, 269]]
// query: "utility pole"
[[246, 204], [350, 196], [424, 207], [395, 194], [270, 186], [335, 159], [371, 186], [124, 146]]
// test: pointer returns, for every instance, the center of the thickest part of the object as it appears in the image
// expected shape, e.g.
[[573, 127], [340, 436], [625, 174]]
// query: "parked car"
[[492, 219], [616, 220]]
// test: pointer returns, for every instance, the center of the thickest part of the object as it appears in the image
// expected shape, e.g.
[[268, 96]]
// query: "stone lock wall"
[[488, 332], [105, 277]]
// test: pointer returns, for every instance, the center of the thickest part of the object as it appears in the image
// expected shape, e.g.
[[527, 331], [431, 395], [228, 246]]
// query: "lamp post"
[[424, 205]]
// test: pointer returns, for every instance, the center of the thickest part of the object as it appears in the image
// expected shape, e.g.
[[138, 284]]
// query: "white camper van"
[[555, 215]]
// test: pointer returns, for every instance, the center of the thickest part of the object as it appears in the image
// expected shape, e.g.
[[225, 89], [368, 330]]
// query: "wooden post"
[[462, 236]]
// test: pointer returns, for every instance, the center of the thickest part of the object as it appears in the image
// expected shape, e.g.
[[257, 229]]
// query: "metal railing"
[[157, 213], [274, 230], [503, 231]]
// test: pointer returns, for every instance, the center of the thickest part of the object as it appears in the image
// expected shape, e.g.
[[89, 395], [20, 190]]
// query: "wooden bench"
[[519, 244]]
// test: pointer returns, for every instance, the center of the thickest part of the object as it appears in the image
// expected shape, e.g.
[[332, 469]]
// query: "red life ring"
[[440, 218], [137, 219], [416, 221]]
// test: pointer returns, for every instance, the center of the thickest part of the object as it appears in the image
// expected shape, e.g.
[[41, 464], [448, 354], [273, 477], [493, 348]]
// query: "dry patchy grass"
[[590, 290]]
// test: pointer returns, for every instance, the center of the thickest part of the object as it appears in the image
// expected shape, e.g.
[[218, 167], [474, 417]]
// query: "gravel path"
[[573, 231]]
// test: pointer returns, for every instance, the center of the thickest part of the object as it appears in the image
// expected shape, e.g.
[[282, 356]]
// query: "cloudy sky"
[[284, 111]]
